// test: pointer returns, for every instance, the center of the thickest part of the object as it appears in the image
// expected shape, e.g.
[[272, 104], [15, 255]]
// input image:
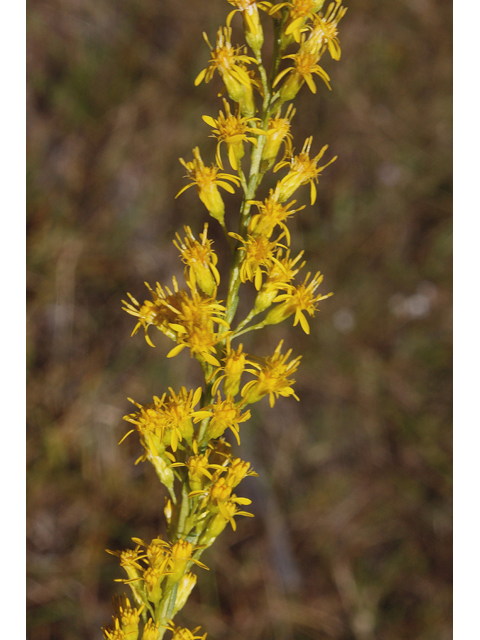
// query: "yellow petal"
[[176, 350]]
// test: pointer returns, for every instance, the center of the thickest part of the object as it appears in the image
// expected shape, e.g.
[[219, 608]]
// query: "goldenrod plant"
[[182, 432]]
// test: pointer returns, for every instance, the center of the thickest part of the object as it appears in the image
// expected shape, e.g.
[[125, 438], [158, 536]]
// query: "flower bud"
[[181, 555], [153, 579], [185, 587]]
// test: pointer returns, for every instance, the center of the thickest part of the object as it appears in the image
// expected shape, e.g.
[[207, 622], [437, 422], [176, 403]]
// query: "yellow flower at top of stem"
[[251, 21], [303, 170], [230, 62], [234, 130], [325, 30], [299, 11], [207, 181], [128, 616]]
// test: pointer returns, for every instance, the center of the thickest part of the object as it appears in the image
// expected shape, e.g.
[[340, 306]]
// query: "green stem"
[[260, 325], [182, 516], [242, 324]]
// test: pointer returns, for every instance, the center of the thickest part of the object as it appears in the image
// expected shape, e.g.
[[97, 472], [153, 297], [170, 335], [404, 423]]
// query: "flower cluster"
[[184, 433]]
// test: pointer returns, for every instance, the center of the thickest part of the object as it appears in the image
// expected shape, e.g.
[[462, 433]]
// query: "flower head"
[[271, 213], [303, 170], [278, 133], [180, 558], [180, 633], [169, 418], [299, 12], [207, 181], [230, 62], [280, 274], [251, 20], [114, 632], [237, 471], [234, 363], [297, 300], [234, 130], [128, 616], [150, 630], [305, 67], [189, 319], [225, 415], [185, 587], [200, 260], [258, 253], [324, 31], [272, 378]]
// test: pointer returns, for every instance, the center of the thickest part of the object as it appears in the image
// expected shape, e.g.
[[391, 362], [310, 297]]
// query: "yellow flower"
[[297, 300], [258, 253], [198, 468], [233, 130], [303, 170], [150, 630], [129, 561], [180, 558], [187, 319], [185, 587], [251, 21], [278, 132], [154, 312], [233, 367], [279, 275], [114, 632], [225, 415], [271, 213], [180, 633], [227, 510], [169, 418], [194, 327], [230, 63], [299, 12], [207, 180], [272, 378], [153, 578], [200, 259], [129, 617], [324, 31], [305, 67], [237, 471]]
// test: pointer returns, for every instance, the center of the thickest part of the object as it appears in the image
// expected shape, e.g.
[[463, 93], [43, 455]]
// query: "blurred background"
[[352, 534]]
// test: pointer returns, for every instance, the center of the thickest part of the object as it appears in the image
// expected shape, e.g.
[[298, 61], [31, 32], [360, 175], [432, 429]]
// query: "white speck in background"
[[415, 306], [344, 320]]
